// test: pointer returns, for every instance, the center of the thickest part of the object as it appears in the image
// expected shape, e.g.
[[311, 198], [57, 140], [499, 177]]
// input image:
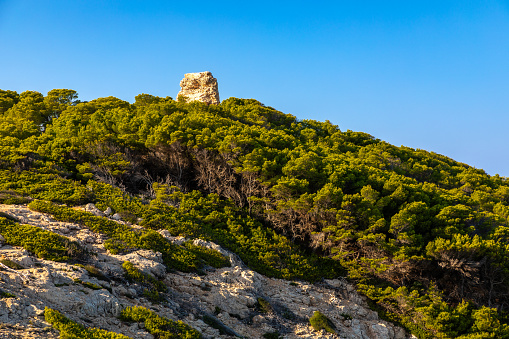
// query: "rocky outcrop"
[[245, 303], [200, 86]]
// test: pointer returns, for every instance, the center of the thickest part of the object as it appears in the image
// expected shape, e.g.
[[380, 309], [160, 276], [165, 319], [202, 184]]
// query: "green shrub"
[[158, 326], [210, 218], [151, 285], [134, 274], [45, 186], [152, 295], [129, 207], [95, 272], [72, 330], [90, 285], [116, 246], [187, 258], [6, 295], [44, 244], [208, 256], [8, 217], [263, 306], [320, 322], [11, 264], [12, 198]]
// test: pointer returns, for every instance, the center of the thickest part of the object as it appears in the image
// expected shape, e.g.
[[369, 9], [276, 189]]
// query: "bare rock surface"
[[200, 86], [230, 295]]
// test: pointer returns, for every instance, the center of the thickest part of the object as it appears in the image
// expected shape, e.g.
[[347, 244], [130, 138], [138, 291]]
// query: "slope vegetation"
[[423, 236]]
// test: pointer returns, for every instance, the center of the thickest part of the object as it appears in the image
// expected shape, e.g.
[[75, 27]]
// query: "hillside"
[[421, 236], [232, 301]]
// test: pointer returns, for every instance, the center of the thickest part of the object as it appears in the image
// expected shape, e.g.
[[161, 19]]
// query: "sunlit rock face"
[[200, 86]]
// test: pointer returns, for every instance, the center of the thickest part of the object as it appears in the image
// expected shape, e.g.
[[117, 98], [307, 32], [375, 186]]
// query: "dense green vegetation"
[[160, 327], [123, 237], [423, 236], [320, 322], [42, 243], [72, 330]]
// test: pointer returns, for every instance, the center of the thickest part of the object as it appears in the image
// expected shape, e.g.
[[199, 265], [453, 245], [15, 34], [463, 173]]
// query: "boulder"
[[94, 210], [149, 262]]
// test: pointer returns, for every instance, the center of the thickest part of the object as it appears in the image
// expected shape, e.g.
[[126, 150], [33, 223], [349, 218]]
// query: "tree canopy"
[[423, 236]]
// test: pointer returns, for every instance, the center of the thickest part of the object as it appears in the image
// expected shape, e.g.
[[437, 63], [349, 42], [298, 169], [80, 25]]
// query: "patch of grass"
[[320, 322]]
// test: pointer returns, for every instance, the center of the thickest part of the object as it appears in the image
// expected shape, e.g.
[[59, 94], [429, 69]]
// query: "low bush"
[[263, 306], [95, 272], [187, 258], [151, 285], [12, 198], [6, 295], [44, 244], [158, 326], [8, 217], [43, 184], [90, 285], [320, 322], [195, 215], [11, 264], [71, 330]]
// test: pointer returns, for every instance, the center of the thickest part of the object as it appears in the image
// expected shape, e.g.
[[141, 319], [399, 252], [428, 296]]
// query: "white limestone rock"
[[94, 210]]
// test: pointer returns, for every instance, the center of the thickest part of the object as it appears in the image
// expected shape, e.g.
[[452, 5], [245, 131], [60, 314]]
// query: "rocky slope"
[[234, 301]]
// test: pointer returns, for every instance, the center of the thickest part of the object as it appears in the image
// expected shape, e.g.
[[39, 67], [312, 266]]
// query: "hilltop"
[[423, 238]]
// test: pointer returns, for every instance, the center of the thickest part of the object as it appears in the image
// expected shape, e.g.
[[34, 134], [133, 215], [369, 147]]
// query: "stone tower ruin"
[[200, 86]]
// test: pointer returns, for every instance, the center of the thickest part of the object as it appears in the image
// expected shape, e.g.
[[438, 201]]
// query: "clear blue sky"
[[425, 74]]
